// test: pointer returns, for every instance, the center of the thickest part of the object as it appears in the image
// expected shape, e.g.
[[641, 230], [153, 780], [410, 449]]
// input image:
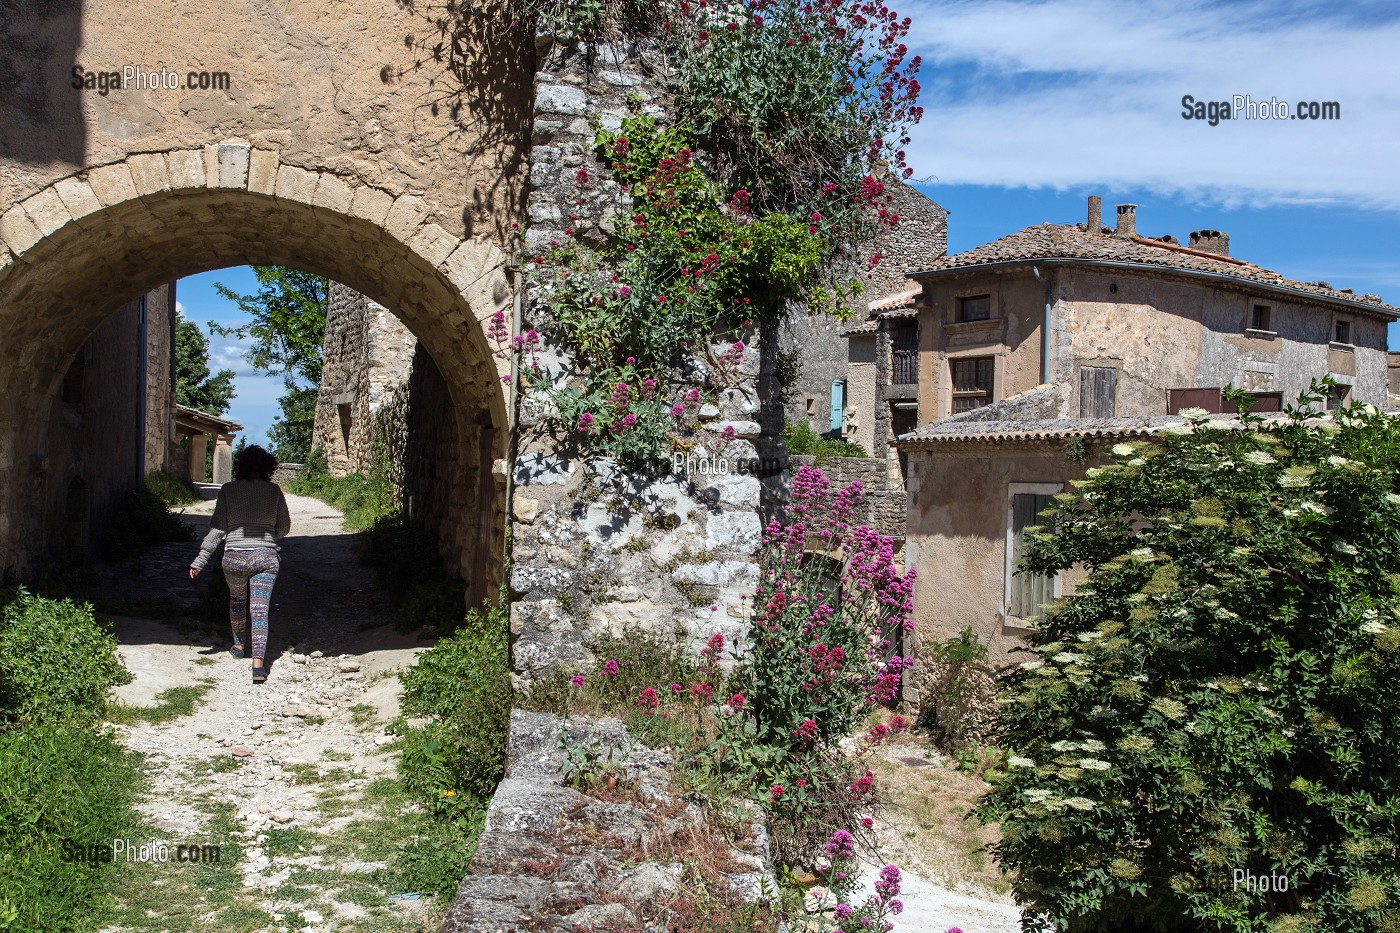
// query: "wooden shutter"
[[904, 352], [1029, 591], [1208, 399], [1098, 391], [838, 404]]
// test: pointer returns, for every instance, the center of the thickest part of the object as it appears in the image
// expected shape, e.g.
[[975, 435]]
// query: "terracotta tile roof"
[[1070, 242], [898, 304], [900, 299], [951, 430]]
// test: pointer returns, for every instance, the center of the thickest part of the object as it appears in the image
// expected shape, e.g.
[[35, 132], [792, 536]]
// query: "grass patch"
[[291, 840], [170, 489], [362, 716], [170, 704]]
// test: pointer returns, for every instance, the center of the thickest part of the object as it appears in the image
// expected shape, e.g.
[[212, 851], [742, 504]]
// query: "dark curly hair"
[[253, 462]]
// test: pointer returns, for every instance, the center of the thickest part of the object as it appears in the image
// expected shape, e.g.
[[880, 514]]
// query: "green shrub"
[[362, 498], [1219, 696], [958, 690], [801, 440], [462, 687], [56, 661], [64, 792], [143, 520], [170, 489]]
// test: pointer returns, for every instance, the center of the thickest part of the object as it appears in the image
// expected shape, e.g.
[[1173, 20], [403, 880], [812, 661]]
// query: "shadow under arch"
[[59, 289]]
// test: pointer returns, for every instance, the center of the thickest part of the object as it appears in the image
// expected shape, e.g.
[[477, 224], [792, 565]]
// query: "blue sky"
[[1031, 105]]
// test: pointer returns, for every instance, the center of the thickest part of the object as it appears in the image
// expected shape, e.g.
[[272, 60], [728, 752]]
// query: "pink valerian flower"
[[581, 178], [884, 689], [692, 398], [624, 291], [841, 845], [609, 669], [702, 690], [842, 911], [806, 732], [620, 394], [578, 680], [648, 388], [726, 437], [626, 423], [678, 411], [887, 885], [676, 688], [775, 793], [648, 699], [585, 422], [736, 703], [862, 786]]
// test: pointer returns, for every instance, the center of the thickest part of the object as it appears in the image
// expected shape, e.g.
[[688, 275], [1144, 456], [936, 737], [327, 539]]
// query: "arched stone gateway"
[[79, 246], [149, 139]]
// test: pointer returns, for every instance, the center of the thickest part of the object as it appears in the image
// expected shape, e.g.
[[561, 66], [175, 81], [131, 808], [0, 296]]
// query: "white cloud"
[[228, 353], [1064, 93]]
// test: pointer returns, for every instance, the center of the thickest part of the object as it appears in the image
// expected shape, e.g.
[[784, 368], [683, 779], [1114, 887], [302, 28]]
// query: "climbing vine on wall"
[[790, 119]]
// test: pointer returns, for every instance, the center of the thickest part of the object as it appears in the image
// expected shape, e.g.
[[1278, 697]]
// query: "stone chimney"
[[1127, 221], [1210, 241], [1095, 224]]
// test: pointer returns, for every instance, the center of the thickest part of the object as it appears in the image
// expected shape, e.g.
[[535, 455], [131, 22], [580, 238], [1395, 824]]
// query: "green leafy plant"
[[1217, 699], [462, 687], [802, 440], [170, 489], [143, 519], [961, 694], [57, 661]]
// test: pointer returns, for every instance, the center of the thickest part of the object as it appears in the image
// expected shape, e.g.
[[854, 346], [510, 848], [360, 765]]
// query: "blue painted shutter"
[[838, 403]]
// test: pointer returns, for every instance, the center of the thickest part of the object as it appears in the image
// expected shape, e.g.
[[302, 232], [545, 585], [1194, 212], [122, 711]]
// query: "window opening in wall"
[[973, 383], [1098, 392], [904, 353], [974, 308], [1341, 331], [1026, 593], [838, 405], [1338, 396], [343, 410], [1260, 317]]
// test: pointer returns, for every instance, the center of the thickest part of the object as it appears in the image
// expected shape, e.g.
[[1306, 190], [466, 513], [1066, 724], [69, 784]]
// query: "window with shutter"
[[973, 383], [1098, 391], [1026, 592]]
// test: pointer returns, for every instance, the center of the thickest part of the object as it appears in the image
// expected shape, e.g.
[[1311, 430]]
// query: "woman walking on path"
[[250, 517]]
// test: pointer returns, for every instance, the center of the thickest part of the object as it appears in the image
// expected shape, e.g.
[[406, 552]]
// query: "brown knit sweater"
[[248, 514]]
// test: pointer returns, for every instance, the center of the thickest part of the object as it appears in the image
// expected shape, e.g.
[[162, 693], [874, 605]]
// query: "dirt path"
[[291, 778]]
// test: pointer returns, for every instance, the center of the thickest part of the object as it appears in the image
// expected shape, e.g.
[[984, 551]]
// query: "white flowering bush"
[[1219, 700]]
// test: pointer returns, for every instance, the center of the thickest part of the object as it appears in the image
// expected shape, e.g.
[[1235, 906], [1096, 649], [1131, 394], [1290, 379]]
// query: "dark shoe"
[[259, 674], [237, 652]]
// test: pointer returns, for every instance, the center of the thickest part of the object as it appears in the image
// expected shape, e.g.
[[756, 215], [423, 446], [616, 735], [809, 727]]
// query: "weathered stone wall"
[[885, 502], [597, 547], [553, 858], [367, 354], [160, 385]]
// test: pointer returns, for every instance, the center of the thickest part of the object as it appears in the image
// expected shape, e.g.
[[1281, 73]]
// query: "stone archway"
[[81, 245]]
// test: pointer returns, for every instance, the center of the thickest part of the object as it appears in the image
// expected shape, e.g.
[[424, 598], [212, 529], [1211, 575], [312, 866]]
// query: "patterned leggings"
[[252, 570]]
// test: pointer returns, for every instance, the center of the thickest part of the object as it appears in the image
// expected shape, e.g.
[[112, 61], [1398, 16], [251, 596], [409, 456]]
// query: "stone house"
[[1138, 329], [1134, 326]]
